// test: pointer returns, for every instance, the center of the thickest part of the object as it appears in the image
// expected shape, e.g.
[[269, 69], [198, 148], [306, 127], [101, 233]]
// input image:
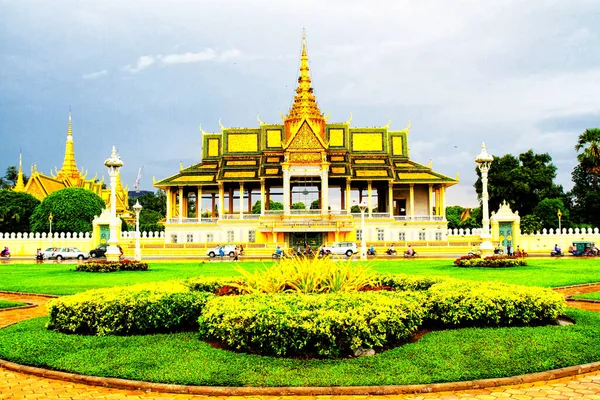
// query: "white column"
[[391, 198], [263, 197], [241, 200], [430, 202], [286, 190], [443, 201], [180, 204], [325, 191], [169, 205], [199, 203], [348, 197], [221, 199], [370, 198], [412, 200]]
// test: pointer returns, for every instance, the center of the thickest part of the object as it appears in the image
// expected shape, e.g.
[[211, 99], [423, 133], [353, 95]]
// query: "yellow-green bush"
[[209, 284], [327, 325], [307, 275], [464, 303], [152, 307], [402, 282]]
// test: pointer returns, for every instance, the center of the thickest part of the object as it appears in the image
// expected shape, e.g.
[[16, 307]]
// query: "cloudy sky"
[[143, 74]]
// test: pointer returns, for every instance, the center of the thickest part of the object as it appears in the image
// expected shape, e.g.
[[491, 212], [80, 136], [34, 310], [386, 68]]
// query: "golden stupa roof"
[[69, 167]]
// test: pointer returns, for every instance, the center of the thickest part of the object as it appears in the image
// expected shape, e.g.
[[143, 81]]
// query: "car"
[[347, 248], [228, 250], [100, 251], [69, 252], [48, 252]]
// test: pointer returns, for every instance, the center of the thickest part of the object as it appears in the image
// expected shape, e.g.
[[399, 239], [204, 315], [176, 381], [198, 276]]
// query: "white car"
[[228, 250], [347, 248], [61, 253]]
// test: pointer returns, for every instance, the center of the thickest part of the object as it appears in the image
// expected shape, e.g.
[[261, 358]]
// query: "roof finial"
[[69, 167], [19, 186]]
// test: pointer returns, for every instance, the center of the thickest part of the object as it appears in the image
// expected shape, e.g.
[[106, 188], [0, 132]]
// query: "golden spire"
[[305, 104], [19, 186], [69, 167]]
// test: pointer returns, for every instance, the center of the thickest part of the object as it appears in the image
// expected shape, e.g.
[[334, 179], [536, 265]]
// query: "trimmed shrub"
[[325, 325], [489, 262], [111, 266], [463, 303], [209, 284], [403, 282], [144, 308]]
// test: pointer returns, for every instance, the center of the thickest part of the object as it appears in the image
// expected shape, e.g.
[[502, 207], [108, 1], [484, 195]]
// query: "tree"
[[455, 215], [584, 197], [531, 224], [298, 206], [151, 201], [149, 221], [314, 205], [522, 182], [273, 205], [10, 178], [547, 213], [15, 210], [589, 142], [73, 210]]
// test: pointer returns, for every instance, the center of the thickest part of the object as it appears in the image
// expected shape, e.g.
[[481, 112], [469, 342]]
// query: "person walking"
[[236, 253]]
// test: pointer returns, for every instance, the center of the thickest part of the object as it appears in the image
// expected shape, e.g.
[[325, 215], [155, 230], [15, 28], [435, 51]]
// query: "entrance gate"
[[505, 236], [302, 239]]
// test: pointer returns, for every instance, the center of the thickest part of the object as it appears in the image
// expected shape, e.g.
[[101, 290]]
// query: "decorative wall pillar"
[[325, 187], [348, 194], [430, 205], [180, 204], [263, 197], [241, 200], [412, 200], [199, 203], [443, 201], [370, 198], [169, 204]]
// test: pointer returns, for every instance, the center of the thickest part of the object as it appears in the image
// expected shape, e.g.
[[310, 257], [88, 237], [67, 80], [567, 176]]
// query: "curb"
[[50, 296], [126, 384], [28, 305]]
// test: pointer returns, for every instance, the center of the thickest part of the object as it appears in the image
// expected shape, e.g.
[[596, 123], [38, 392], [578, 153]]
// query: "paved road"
[[15, 385]]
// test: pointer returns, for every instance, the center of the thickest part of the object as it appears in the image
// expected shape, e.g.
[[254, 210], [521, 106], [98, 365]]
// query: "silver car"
[[347, 248], [69, 252], [228, 250]]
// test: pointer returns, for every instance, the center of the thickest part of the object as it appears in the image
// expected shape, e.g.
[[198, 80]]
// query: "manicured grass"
[[441, 356], [588, 296], [10, 304], [62, 279]]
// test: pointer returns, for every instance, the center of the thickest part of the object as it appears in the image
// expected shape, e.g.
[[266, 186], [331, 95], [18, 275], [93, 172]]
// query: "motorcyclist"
[[5, 252], [557, 250], [409, 251], [391, 251], [371, 251]]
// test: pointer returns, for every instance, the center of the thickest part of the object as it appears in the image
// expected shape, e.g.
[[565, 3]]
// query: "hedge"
[[326, 325], [462, 303], [144, 308], [490, 262], [210, 284], [401, 282], [111, 266]]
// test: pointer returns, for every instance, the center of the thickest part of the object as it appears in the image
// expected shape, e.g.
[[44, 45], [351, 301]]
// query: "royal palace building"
[[301, 182]]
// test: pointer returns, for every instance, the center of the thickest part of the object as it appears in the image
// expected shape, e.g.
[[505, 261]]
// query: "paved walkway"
[[14, 385]]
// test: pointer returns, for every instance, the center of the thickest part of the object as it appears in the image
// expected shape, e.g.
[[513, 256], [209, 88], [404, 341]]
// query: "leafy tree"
[[531, 224], [455, 213], [354, 209], [149, 217], [314, 205], [584, 197], [522, 182], [151, 201], [589, 142], [273, 205], [73, 210], [15, 210], [547, 211], [9, 179], [298, 206]]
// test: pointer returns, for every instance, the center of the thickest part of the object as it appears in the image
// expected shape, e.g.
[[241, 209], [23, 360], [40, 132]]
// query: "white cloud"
[[95, 75], [142, 63], [207, 54]]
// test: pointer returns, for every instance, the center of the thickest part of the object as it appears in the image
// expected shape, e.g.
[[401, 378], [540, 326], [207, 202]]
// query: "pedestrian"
[[508, 250], [221, 252], [235, 254]]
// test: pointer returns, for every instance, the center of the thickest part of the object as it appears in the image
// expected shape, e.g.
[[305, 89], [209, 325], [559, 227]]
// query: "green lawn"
[[10, 304], [441, 356], [62, 279], [588, 296]]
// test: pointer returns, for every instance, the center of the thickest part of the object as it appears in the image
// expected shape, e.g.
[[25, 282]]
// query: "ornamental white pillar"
[[286, 189], [180, 204], [263, 197], [199, 203], [412, 200], [348, 196], [324, 191], [484, 161], [241, 200], [370, 197], [391, 198], [221, 199]]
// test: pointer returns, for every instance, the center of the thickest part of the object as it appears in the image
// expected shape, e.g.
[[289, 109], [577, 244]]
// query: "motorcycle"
[[5, 253], [390, 252], [413, 255], [474, 253], [555, 253], [371, 253], [277, 256]]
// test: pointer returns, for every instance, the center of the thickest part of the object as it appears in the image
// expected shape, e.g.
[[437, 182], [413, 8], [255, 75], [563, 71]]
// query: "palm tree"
[[589, 141]]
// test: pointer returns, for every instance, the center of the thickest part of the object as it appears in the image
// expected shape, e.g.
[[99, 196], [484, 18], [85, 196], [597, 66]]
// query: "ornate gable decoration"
[[305, 139]]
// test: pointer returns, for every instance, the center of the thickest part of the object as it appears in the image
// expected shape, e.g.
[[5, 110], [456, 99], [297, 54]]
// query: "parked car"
[[228, 250], [100, 251], [347, 248], [69, 252], [48, 252]]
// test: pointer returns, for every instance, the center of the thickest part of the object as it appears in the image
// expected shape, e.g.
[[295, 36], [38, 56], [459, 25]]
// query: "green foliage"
[[314, 205], [15, 210], [208, 284], [307, 275], [273, 205], [156, 202], [111, 266], [11, 304], [522, 182], [299, 206], [355, 209], [326, 325], [463, 303], [150, 217], [531, 224], [547, 211], [124, 226], [10, 178], [489, 262], [589, 142], [73, 210], [454, 213], [585, 197], [152, 228], [403, 282], [143, 308]]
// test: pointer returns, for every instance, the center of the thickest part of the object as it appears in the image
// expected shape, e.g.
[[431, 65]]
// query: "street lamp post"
[[363, 242], [113, 163], [137, 207], [484, 160], [559, 216], [50, 219]]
